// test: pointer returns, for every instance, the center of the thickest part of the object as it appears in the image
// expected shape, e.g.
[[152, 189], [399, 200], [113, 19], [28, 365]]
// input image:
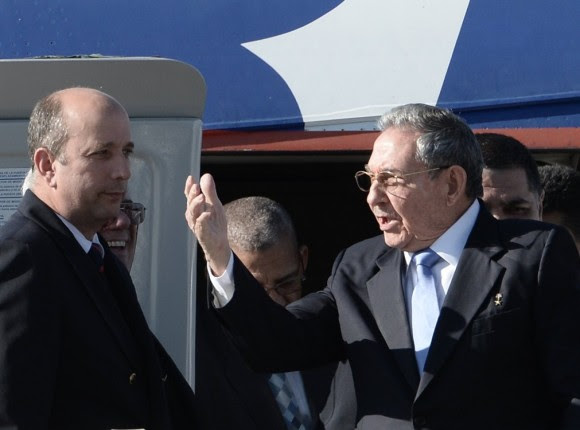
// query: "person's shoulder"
[[375, 244], [16, 253], [16, 226], [24, 222], [360, 260], [520, 227], [526, 232], [366, 251], [20, 228]]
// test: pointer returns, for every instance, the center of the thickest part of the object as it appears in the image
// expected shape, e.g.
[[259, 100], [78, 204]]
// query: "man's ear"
[[303, 251], [456, 184], [44, 166]]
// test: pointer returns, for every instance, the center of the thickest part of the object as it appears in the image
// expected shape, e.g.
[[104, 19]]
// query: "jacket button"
[[420, 421], [132, 378]]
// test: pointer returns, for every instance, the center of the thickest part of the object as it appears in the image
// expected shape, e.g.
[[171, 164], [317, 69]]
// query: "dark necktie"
[[424, 305], [96, 255], [284, 398]]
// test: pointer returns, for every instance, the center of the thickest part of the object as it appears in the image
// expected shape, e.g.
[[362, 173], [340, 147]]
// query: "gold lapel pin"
[[498, 299]]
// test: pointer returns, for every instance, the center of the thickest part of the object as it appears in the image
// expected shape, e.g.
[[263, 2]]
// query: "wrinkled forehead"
[[394, 149]]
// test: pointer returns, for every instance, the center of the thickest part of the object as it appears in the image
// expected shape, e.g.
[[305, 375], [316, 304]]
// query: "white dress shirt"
[[448, 247], [81, 239]]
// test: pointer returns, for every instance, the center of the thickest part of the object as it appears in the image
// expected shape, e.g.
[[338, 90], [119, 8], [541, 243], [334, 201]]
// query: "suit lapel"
[[474, 278], [138, 342], [95, 285], [387, 302]]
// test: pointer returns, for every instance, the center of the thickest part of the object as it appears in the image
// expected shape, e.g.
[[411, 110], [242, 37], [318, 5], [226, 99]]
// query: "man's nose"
[[278, 298], [376, 194], [120, 222], [122, 168]]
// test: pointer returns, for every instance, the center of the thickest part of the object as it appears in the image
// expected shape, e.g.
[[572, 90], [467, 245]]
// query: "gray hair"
[[445, 140], [257, 223], [47, 128]]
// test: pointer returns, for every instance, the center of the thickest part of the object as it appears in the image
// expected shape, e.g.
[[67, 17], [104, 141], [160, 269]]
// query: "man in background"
[[120, 233], [511, 183], [262, 234], [562, 197], [76, 349], [263, 237]]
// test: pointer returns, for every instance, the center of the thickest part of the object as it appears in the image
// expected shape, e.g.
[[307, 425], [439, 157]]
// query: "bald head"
[[80, 144], [55, 115]]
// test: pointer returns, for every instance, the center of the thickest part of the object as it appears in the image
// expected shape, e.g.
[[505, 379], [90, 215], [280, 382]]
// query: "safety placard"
[[11, 180]]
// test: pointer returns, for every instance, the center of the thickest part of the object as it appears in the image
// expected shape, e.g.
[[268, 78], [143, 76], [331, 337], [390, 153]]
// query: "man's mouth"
[[385, 220], [116, 243], [115, 194]]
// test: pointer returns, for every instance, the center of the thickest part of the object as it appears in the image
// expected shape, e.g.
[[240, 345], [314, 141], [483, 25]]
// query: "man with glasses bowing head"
[[121, 231], [263, 236], [450, 319]]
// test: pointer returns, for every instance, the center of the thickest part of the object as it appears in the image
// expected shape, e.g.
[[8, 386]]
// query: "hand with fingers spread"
[[206, 218]]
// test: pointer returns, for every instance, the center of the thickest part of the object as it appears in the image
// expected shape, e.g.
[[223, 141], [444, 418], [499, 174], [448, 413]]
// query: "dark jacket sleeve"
[[558, 310], [273, 338], [28, 331]]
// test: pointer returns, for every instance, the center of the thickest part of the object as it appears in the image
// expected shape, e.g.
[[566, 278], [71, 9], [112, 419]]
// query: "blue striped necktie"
[[288, 407], [424, 305]]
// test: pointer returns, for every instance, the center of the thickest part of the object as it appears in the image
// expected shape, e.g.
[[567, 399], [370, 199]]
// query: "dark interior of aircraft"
[[318, 190]]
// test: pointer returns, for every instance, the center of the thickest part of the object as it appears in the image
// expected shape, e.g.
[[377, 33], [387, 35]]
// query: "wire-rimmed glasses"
[[385, 178], [135, 211]]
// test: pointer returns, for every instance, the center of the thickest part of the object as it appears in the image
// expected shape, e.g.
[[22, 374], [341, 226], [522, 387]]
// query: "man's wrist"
[[219, 265], [223, 285]]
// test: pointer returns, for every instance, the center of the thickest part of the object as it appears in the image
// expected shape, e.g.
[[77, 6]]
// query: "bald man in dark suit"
[[76, 351]]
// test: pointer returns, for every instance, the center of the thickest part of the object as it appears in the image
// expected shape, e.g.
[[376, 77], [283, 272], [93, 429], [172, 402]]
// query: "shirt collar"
[[81, 239], [450, 244]]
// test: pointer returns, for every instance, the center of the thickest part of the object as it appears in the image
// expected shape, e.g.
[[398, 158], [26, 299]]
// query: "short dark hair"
[[505, 152], [445, 139], [562, 194], [257, 223]]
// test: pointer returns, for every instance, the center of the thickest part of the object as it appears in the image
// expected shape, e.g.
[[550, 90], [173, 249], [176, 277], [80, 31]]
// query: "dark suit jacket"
[[229, 394], [505, 352], [75, 350]]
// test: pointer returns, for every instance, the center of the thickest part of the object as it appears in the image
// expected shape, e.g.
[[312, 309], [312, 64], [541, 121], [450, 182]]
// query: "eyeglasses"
[[364, 178], [286, 289], [135, 212], [290, 285]]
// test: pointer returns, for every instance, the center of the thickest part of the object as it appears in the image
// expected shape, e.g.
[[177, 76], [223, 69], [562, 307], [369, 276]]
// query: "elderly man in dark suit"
[[450, 319], [75, 349]]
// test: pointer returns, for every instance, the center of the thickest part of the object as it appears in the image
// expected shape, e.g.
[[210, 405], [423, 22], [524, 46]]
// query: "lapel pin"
[[498, 299]]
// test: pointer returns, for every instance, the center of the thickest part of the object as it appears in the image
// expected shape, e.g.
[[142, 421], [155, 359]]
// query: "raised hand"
[[206, 218]]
